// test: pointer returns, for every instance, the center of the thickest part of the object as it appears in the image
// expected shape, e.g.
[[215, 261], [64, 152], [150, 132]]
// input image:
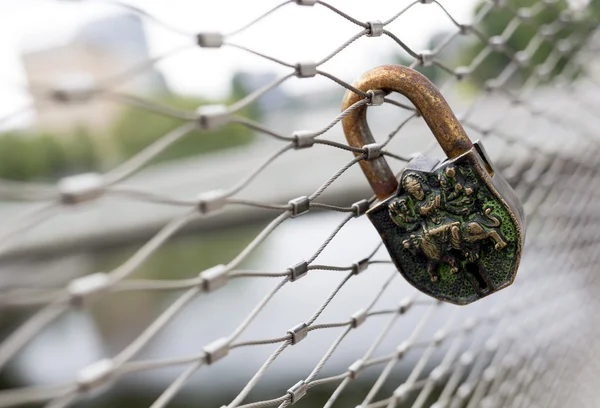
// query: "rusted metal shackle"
[[429, 102], [453, 227]]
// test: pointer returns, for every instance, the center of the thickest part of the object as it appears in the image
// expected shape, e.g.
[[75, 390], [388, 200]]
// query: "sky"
[[293, 33]]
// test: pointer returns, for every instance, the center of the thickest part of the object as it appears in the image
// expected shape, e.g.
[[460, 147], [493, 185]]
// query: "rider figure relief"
[[452, 226]]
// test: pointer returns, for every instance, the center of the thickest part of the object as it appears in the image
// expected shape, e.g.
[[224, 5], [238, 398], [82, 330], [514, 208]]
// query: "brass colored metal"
[[445, 219], [454, 228], [429, 102]]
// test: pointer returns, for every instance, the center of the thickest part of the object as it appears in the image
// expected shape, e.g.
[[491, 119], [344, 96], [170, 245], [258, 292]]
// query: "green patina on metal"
[[449, 233], [455, 231]]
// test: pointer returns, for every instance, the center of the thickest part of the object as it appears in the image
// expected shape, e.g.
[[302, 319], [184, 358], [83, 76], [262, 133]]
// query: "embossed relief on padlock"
[[449, 230], [454, 228]]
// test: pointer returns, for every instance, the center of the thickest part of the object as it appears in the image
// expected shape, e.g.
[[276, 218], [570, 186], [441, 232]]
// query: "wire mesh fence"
[[355, 333]]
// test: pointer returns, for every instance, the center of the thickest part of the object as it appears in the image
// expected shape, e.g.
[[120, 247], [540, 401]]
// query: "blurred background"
[[86, 86]]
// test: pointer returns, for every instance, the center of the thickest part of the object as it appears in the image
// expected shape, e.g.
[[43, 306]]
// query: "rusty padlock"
[[455, 228]]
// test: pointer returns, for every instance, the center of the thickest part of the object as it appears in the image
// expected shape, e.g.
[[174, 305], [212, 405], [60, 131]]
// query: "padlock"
[[454, 228]]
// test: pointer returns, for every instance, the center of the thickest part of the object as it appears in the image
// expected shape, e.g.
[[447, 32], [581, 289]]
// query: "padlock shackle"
[[429, 102]]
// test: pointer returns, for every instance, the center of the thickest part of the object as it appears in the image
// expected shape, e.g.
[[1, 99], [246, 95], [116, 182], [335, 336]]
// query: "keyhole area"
[[473, 269]]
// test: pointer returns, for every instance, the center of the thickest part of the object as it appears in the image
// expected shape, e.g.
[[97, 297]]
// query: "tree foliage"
[[30, 155], [519, 22], [137, 128]]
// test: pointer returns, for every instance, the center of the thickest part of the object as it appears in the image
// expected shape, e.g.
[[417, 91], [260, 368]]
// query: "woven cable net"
[[352, 332]]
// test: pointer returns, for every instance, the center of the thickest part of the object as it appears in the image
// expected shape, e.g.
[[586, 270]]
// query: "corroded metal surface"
[[451, 229], [454, 229], [428, 101]]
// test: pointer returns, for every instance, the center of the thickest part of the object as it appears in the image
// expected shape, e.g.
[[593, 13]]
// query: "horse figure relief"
[[446, 221], [453, 227]]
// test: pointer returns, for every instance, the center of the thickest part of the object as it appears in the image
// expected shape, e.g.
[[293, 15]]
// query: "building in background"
[[100, 50]]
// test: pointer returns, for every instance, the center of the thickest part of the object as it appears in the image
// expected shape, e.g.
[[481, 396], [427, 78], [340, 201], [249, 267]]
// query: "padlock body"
[[454, 229]]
